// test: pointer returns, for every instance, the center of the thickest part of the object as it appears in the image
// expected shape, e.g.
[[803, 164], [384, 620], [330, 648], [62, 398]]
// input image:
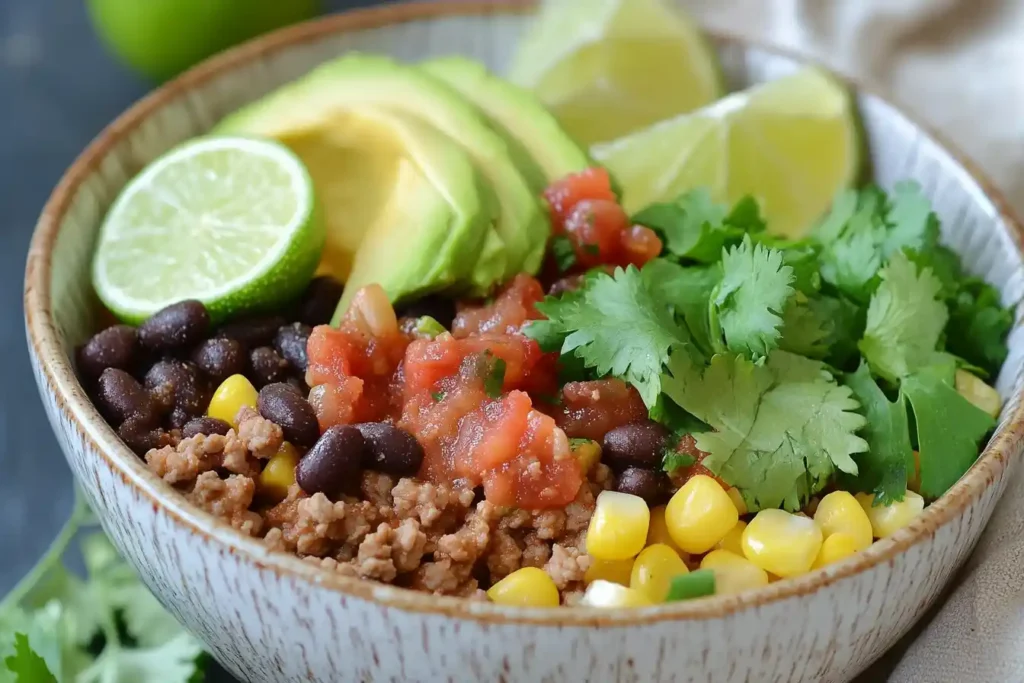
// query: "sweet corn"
[[733, 573], [279, 473], [733, 541], [616, 571], [618, 528], [233, 393], [737, 499], [608, 594], [588, 452], [978, 392], [840, 512], [782, 543], [657, 532], [700, 514], [526, 587], [836, 547], [654, 569], [888, 519]]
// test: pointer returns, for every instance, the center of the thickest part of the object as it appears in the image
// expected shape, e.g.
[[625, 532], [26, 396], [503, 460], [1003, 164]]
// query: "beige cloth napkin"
[[958, 65]]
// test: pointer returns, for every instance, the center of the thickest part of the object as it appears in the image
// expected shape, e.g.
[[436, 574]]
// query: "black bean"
[[640, 444], [440, 308], [253, 332], [332, 463], [290, 342], [175, 327], [114, 347], [266, 366], [140, 436], [319, 300], [390, 450], [647, 484], [299, 385], [120, 396], [175, 384], [220, 358], [204, 425], [282, 405]]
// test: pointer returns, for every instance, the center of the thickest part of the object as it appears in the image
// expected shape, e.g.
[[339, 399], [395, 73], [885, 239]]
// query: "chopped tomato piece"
[[639, 245], [489, 436], [513, 306], [592, 409], [595, 227], [329, 351], [564, 194], [335, 402]]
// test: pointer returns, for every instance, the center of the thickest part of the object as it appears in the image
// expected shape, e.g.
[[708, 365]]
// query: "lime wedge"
[[227, 220], [791, 143], [608, 67]]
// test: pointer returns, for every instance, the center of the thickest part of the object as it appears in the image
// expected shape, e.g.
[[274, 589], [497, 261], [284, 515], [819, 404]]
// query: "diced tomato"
[[329, 351], [513, 306], [639, 245], [489, 436], [335, 402], [595, 227], [564, 194], [592, 409]]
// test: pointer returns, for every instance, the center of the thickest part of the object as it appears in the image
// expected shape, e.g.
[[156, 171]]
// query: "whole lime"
[[162, 38]]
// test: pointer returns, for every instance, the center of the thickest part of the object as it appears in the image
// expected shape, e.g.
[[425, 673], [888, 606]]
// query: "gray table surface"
[[58, 88]]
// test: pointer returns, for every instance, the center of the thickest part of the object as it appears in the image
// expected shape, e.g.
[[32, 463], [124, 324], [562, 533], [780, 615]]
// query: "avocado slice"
[[406, 206], [359, 80], [536, 140]]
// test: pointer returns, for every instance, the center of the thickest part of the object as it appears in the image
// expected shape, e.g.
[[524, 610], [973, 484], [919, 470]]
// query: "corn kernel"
[[978, 392], [279, 473], [733, 573], [526, 587], [657, 532], [840, 512], [733, 541], [587, 451], [233, 393], [618, 528], [607, 594], [700, 514], [836, 547], [737, 499], [782, 543], [616, 571], [654, 569], [888, 519]]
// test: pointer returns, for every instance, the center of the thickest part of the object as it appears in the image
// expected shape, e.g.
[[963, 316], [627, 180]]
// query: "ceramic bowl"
[[271, 617]]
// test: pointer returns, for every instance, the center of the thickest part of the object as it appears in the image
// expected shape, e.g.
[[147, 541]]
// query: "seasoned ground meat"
[[182, 463], [320, 525], [375, 487], [567, 566], [261, 437], [229, 499], [436, 506]]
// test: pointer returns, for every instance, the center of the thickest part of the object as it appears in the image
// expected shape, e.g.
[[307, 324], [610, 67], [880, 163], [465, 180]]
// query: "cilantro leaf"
[[885, 467], [749, 301], [949, 428], [677, 461], [978, 326], [494, 379], [851, 264], [429, 327], [28, 666], [563, 252], [781, 429], [910, 221], [904, 321], [617, 326], [172, 662], [687, 290], [694, 227], [803, 331]]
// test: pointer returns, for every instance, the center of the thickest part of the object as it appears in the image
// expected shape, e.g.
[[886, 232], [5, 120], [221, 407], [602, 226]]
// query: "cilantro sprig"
[[58, 628]]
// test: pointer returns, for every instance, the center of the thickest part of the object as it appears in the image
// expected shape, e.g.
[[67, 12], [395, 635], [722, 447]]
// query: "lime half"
[[791, 143], [229, 221], [608, 67]]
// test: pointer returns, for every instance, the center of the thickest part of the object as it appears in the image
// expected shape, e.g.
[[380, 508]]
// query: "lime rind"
[[230, 221]]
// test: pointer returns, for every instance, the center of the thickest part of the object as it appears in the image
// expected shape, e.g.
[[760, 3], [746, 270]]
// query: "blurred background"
[[59, 85]]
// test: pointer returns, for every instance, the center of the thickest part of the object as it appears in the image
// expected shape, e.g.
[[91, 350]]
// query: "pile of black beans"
[[635, 452], [160, 376]]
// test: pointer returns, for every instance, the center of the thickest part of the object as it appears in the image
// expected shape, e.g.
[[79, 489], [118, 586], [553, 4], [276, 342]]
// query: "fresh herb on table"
[[108, 628], [795, 362]]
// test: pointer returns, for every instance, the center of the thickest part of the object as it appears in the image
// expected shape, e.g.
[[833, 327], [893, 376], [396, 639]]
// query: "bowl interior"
[[972, 224]]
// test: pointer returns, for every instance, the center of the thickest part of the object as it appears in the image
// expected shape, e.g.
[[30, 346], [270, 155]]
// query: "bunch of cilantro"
[[796, 363], [58, 628]]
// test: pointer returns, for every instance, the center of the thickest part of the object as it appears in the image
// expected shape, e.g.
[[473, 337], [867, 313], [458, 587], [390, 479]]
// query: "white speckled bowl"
[[271, 617]]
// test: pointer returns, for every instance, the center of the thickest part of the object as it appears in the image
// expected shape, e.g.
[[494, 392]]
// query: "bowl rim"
[[56, 371]]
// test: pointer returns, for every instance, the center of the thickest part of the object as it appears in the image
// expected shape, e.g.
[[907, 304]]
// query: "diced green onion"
[[429, 327], [693, 585]]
